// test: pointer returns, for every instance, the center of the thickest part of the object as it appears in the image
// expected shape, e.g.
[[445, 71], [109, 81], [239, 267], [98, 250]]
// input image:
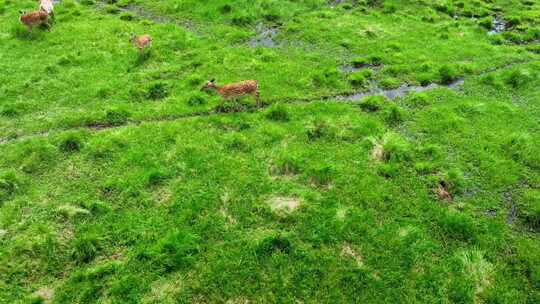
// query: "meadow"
[[122, 182]]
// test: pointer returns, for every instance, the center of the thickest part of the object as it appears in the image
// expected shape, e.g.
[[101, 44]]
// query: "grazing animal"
[[141, 42], [234, 90], [35, 18]]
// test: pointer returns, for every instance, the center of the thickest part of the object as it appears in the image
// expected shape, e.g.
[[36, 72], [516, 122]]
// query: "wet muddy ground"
[[143, 13], [402, 91], [499, 25], [265, 36], [351, 68]]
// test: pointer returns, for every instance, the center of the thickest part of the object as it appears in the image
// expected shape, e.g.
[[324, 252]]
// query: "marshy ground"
[[396, 157]]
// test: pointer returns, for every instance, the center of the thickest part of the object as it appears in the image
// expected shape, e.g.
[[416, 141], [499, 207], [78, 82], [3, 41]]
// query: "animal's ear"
[[213, 80], [21, 12]]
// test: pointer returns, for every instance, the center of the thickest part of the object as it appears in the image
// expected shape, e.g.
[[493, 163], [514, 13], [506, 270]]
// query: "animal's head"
[[22, 12], [210, 85]]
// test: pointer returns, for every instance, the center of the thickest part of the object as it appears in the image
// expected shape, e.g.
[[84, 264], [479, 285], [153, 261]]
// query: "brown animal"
[[141, 42], [234, 90], [443, 193], [35, 18]]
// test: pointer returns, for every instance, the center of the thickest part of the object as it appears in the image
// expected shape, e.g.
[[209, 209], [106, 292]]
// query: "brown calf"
[[141, 42], [234, 90], [35, 18]]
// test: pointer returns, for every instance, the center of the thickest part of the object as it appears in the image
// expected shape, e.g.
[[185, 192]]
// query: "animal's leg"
[[29, 28], [221, 104], [257, 96]]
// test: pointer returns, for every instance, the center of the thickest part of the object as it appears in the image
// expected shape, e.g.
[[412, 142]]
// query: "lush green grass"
[[309, 199]]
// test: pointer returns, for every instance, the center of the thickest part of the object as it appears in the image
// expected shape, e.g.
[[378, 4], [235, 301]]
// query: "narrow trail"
[[354, 97]]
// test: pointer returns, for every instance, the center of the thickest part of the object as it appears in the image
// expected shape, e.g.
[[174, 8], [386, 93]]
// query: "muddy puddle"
[[334, 3], [143, 13], [397, 92], [265, 36], [499, 25], [157, 18], [351, 68]]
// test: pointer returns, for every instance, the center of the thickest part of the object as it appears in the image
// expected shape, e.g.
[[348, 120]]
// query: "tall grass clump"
[[71, 142], [177, 250], [287, 164], [457, 226], [85, 248], [517, 78], [10, 184], [529, 209], [278, 112], [373, 103], [524, 148], [448, 74]]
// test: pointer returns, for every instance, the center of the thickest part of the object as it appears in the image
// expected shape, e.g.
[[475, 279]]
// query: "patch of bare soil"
[[284, 204], [265, 36], [45, 294], [348, 251]]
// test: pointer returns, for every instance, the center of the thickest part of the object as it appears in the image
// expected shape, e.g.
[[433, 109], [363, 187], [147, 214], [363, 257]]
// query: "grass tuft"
[[10, 184], [275, 244], [71, 142], [319, 129], [447, 74], [278, 112], [85, 248], [517, 78], [373, 103], [116, 117], [457, 226], [288, 165], [321, 175], [529, 209], [178, 250], [393, 115], [157, 91]]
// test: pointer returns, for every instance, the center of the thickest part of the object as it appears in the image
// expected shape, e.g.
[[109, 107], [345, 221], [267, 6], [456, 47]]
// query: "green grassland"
[[122, 182]]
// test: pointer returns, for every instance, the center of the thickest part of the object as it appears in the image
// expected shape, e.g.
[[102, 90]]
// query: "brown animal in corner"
[[442, 192], [234, 90], [141, 42], [36, 18]]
